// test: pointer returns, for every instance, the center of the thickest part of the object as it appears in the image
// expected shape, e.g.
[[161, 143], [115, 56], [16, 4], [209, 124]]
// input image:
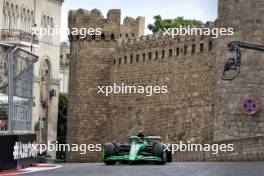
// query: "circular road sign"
[[250, 106]]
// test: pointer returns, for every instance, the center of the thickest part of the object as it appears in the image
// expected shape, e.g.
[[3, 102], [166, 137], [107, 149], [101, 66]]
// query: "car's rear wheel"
[[158, 150], [109, 150]]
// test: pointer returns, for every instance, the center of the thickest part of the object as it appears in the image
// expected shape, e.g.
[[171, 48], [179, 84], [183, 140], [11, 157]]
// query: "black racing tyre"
[[169, 153], [158, 150], [169, 157], [110, 162], [109, 150]]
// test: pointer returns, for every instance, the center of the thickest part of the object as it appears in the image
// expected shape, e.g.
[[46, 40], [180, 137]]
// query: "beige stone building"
[[64, 66], [18, 17]]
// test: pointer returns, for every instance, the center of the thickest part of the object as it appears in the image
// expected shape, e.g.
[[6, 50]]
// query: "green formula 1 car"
[[146, 149]]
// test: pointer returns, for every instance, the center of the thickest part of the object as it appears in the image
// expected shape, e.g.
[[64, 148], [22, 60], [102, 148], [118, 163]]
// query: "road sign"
[[250, 106]]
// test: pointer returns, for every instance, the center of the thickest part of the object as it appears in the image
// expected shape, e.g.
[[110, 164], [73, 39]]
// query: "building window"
[[51, 22], [137, 58], [28, 27], [177, 51], [210, 47], [193, 49], [163, 54], [6, 17], [120, 61], [125, 61], [170, 53], [149, 56], [44, 21], [12, 17], [185, 50], [15, 17], [143, 57], [131, 58], [201, 47], [23, 24], [156, 55], [5, 20]]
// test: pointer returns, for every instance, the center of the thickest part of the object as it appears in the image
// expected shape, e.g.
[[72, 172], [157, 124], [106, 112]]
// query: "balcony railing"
[[17, 36]]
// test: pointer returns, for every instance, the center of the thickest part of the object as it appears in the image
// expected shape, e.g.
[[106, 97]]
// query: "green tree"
[[62, 122], [161, 24]]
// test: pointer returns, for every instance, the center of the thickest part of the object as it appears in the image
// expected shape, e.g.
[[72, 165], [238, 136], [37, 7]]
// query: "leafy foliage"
[[160, 23], [62, 122]]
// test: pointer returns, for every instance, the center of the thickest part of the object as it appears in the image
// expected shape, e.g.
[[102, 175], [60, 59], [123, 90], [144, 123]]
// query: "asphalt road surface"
[[172, 169]]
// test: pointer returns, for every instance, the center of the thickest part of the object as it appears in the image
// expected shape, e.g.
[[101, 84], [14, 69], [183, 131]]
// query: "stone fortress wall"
[[193, 108], [247, 19], [186, 66]]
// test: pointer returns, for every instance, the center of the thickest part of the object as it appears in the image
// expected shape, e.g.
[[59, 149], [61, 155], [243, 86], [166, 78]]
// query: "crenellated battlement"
[[159, 46], [93, 18], [137, 48], [112, 28], [155, 47]]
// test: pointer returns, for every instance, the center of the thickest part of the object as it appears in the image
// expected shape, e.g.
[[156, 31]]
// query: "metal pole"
[[10, 92]]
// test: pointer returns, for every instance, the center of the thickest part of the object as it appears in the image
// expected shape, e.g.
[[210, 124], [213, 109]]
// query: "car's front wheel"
[[109, 150], [110, 162], [158, 150]]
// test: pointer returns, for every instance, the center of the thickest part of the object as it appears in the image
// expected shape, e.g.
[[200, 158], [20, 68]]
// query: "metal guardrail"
[[17, 35]]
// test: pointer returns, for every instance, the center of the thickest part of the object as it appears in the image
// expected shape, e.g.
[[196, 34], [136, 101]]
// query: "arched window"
[[32, 19], [44, 21], [5, 21], [6, 16], [12, 17], [8, 20], [48, 22], [51, 23], [16, 16], [28, 21], [23, 19]]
